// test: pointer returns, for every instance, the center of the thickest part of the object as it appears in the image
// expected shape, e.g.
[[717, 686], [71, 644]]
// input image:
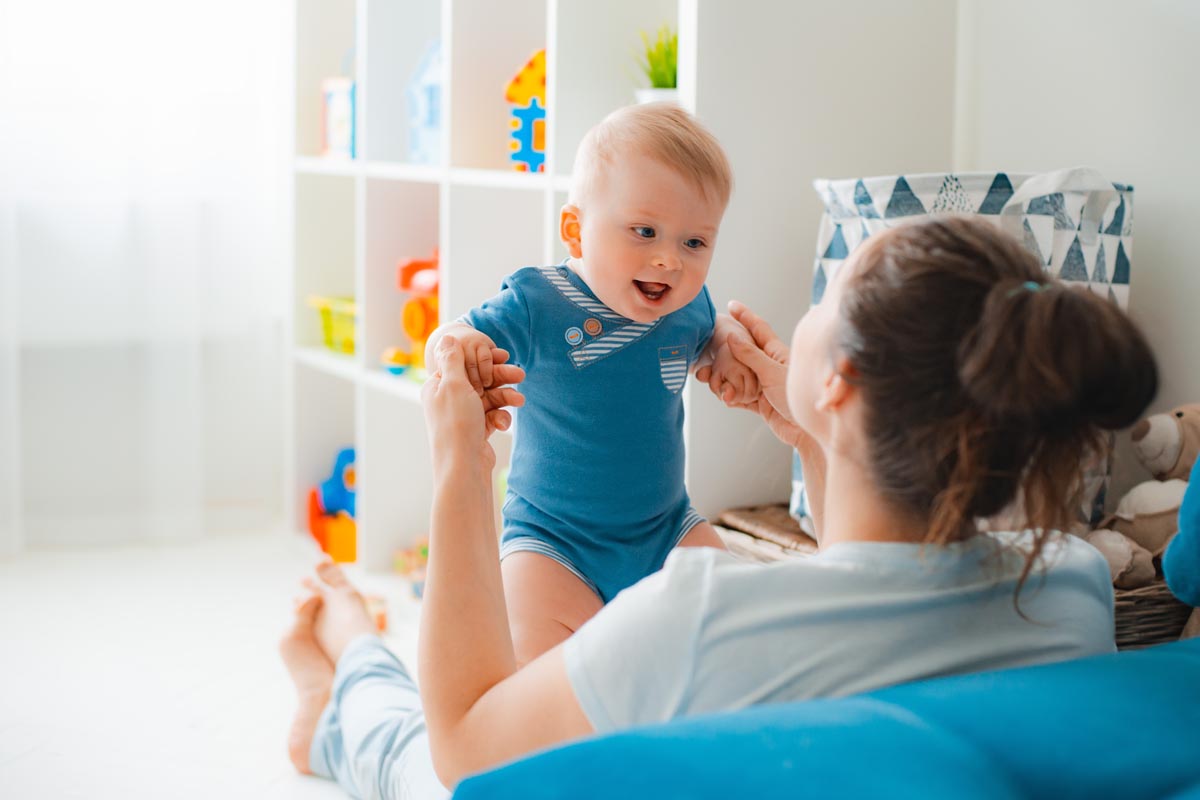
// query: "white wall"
[[1110, 84], [10, 486], [835, 89], [140, 217], [10, 489]]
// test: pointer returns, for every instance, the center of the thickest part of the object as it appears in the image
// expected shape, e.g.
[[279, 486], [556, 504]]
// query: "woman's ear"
[[838, 386], [569, 230]]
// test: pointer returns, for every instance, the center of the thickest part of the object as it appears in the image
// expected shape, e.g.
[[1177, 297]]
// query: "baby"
[[596, 497]]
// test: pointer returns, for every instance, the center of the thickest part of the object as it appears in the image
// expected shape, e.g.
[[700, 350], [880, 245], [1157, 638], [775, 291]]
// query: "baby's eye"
[[694, 244], [644, 231]]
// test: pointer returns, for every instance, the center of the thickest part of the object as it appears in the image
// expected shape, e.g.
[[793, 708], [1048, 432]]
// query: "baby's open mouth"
[[652, 291]]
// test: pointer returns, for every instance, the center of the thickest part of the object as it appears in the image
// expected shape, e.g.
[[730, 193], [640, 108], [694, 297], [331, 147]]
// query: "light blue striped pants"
[[371, 738]]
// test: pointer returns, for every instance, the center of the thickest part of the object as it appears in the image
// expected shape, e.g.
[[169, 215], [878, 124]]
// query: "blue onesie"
[[597, 467]]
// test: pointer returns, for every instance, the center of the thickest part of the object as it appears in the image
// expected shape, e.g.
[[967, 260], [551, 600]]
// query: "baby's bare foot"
[[343, 614], [312, 673]]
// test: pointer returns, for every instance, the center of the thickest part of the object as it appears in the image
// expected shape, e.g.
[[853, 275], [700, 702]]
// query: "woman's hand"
[[460, 420], [767, 357]]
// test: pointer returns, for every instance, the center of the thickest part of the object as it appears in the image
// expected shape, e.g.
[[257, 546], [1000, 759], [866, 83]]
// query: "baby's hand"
[[731, 380], [480, 355]]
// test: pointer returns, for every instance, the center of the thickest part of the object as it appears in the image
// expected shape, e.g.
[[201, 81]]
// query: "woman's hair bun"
[[1056, 357]]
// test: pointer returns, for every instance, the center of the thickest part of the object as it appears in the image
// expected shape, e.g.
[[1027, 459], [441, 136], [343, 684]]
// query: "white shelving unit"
[[354, 220]]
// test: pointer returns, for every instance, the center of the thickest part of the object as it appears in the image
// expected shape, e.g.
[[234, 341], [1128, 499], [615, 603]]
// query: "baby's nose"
[[667, 261]]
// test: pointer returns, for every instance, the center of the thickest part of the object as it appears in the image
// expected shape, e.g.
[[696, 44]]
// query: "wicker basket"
[[1148, 615], [770, 523], [1144, 616]]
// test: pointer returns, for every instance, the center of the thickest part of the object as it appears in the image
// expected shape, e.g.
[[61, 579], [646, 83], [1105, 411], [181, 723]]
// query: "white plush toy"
[[1148, 515], [1129, 564]]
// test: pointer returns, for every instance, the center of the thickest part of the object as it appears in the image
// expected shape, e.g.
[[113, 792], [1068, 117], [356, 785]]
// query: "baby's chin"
[[639, 313]]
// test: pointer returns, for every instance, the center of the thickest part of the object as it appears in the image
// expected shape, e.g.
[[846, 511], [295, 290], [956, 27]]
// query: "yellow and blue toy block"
[[527, 93], [529, 145]]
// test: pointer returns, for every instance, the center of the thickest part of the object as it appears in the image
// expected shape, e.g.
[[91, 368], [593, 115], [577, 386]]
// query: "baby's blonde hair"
[[663, 132]]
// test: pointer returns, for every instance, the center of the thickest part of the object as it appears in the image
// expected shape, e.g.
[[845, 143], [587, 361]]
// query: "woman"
[[941, 377]]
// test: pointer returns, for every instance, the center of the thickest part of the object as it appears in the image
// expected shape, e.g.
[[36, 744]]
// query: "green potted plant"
[[657, 61]]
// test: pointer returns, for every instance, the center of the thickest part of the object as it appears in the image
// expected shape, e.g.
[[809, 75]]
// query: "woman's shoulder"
[[719, 576], [860, 567], [1060, 551]]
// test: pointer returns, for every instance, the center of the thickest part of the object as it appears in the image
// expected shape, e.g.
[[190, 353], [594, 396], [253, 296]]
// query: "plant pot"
[[657, 95]]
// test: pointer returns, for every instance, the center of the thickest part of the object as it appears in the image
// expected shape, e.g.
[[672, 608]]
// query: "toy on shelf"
[[337, 118], [424, 96], [396, 360], [411, 564], [337, 321], [419, 316], [331, 510], [527, 94]]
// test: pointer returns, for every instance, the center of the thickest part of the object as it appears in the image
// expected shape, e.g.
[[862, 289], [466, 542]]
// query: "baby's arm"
[[729, 379], [478, 348]]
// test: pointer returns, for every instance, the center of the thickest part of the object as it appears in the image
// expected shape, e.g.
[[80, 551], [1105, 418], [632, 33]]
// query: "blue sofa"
[[1122, 726]]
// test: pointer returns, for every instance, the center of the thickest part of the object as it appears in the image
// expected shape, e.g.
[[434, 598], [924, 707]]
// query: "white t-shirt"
[[712, 633]]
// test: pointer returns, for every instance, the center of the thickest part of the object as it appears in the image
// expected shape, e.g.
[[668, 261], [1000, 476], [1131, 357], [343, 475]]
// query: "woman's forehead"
[[855, 261], [847, 270]]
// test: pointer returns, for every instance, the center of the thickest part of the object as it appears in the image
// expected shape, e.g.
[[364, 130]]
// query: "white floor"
[[152, 671]]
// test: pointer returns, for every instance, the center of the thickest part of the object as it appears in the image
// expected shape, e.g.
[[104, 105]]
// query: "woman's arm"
[[480, 710]]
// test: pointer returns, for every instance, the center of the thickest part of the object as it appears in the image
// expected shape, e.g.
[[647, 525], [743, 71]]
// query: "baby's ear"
[[569, 229]]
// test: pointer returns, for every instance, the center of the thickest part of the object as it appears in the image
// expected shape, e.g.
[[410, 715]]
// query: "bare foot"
[[343, 615], [312, 673]]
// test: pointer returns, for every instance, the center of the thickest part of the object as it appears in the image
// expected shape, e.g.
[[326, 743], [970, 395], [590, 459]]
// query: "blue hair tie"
[[1032, 287]]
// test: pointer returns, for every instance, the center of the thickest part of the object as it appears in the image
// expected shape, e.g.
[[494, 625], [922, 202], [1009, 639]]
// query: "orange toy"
[[331, 508], [340, 538], [335, 533], [419, 317], [317, 521]]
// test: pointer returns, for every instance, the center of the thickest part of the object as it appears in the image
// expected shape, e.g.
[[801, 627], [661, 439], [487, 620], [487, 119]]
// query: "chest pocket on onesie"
[[673, 366]]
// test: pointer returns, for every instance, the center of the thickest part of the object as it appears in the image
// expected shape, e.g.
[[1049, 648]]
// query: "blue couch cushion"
[[1124, 725]]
